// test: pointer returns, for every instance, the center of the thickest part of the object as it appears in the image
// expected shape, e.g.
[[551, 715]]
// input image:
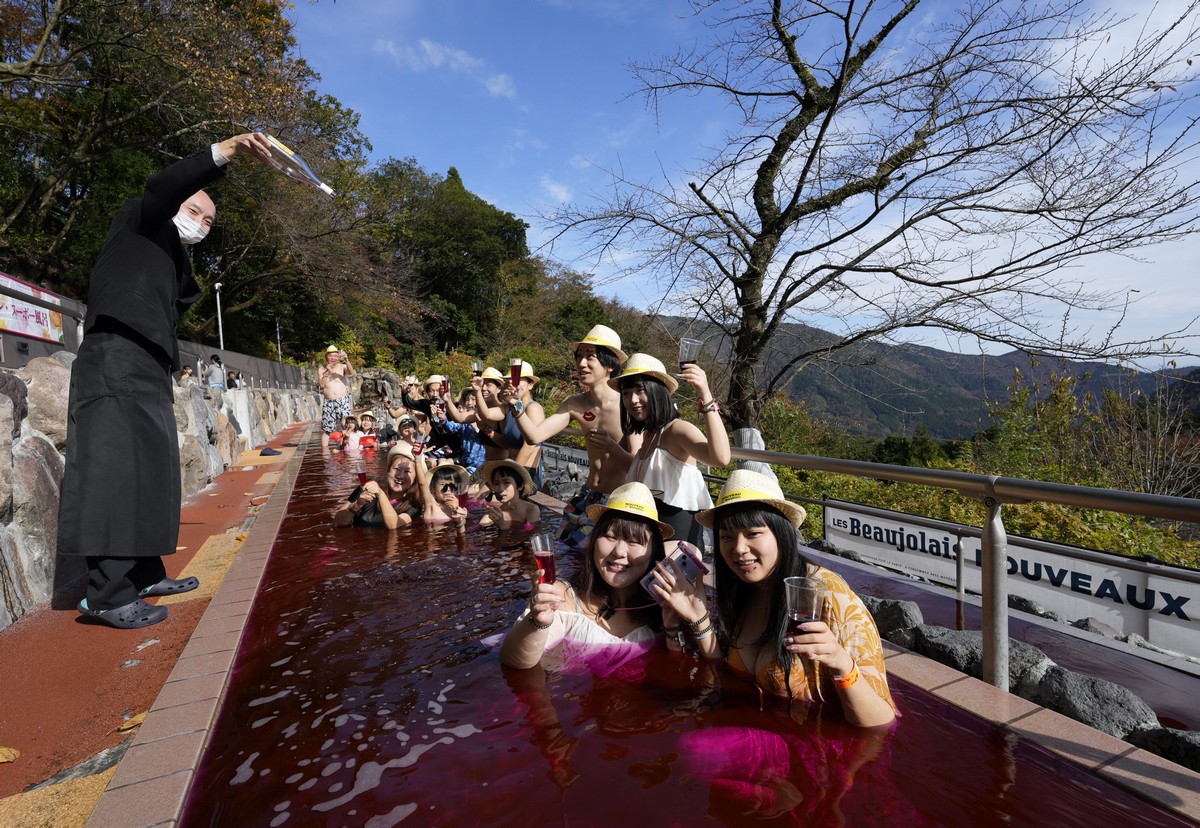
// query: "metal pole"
[[220, 325], [995, 597], [278, 340]]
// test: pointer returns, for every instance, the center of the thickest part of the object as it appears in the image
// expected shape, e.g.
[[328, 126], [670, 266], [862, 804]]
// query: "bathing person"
[[603, 616], [332, 378], [670, 445], [351, 436], [187, 377], [598, 412], [461, 420], [838, 659], [511, 485], [439, 493], [501, 414], [391, 504], [119, 506]]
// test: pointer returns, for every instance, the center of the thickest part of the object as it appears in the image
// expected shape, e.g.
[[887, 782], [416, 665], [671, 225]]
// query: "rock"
[[65, 357], [228, 447], [904, 638], [49, 385], [14, 585], [37, 479], [6, 459], [1096, 626], [195, 465], [1180, 746], [1097, 703], [1025, 605], [963, 650], [12, 387], [891, 616]]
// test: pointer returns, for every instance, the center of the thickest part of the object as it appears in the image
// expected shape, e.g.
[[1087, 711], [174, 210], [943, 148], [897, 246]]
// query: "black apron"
[[121, 484]]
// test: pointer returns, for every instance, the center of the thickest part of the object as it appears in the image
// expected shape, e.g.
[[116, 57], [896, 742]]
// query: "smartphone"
[[687, 559], [355, 495]]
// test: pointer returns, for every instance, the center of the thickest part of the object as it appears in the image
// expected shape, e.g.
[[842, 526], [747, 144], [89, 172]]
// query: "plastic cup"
[[689, 351], [805, 601], [477, 368], [514, 371], [543, 556]]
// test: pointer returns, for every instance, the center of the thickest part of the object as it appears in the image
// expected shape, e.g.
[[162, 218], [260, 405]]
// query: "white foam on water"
[[245, 771], [461, 732], [370, 774], [267, 699], [260, 722], [392, 817]]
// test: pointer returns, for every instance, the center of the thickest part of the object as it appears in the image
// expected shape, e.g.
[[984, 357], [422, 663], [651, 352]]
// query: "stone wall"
[[214, 427]]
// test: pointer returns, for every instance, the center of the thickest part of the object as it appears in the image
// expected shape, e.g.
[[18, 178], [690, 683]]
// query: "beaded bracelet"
[[533, 623], [711, 405], [693, 625], [847, 681]]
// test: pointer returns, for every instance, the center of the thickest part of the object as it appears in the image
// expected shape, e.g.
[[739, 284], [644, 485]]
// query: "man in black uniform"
[[121, 490]]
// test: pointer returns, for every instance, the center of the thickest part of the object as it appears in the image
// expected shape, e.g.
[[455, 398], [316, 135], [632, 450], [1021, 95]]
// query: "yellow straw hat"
[[434, 379], [527, 487], [606, 337], [464, 476], [492, 374], [527, 373], [644, 364], [332, 349], [633, 499], [401, 449], [745, 486]]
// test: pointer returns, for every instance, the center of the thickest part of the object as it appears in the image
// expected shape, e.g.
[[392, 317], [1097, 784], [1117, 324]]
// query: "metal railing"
[[994, 491]]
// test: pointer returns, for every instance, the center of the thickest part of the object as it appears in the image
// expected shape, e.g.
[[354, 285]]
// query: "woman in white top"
[[666, 446], [604, 617]]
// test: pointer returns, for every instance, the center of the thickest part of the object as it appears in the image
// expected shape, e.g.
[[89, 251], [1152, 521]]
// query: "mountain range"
[[881, 389]]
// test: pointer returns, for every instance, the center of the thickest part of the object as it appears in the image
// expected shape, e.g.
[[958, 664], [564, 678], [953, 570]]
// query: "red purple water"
[[362, 695]]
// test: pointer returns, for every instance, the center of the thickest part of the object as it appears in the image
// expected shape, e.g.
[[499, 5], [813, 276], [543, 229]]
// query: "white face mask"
[[190, 231]]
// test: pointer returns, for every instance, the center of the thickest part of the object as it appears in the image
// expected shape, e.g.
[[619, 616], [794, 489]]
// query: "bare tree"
[[893, 171]]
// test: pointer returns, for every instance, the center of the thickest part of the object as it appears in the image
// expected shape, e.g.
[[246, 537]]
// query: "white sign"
[[1157, 605], [29, 320]]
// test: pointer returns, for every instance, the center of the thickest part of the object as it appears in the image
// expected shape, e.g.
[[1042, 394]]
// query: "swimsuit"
[[576, 525], [679, 491]]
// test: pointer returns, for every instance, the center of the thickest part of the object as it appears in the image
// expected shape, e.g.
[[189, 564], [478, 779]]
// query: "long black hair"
[[733, 594], [660, 407], [588, 581]]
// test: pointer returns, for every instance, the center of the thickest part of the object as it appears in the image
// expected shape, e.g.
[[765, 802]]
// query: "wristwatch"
[[518, 408]]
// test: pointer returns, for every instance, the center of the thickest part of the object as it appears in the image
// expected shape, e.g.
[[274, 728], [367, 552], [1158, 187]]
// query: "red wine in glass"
[[795, 619], [446, 386], [514, 372], [545, 565], [362, 478], [477, 368], [462, 500], [418, 447]]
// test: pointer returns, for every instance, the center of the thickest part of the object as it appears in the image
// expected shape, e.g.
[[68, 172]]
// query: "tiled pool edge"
[[151, 782], [1170, 786]]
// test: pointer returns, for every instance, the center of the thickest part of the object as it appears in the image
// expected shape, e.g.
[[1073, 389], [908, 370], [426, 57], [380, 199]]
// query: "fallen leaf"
[[130, 724], [8, 755]]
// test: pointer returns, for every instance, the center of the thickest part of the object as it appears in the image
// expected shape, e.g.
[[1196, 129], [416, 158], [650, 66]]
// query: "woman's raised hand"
[[545, 599], [680, 597], [816, 642], [695, 376]]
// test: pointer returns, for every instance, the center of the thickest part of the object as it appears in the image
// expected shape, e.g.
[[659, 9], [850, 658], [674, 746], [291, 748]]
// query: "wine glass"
[[689, 351], [805, 603], [543, 556]]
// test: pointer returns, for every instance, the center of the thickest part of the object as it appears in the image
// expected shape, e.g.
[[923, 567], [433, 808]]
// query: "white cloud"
[[555, 190], [501, 86], [581, 162], [430, 55]]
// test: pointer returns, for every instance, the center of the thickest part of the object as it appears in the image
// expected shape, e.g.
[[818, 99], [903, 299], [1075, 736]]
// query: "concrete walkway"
[[72, 692]]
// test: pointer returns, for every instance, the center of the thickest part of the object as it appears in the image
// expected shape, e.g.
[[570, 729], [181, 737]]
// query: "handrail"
[[994, 491]]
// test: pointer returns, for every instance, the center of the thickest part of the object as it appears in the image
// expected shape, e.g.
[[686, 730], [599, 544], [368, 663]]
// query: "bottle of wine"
[[293, 166]]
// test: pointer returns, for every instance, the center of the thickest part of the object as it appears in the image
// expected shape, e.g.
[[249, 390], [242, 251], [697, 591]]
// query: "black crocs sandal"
[[169, 586], [131, 616]]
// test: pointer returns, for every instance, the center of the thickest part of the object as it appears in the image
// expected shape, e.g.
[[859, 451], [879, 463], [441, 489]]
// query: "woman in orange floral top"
[[838, 659]]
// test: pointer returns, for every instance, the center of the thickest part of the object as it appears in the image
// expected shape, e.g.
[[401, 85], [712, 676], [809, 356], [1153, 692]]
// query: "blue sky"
[[528, 100]]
